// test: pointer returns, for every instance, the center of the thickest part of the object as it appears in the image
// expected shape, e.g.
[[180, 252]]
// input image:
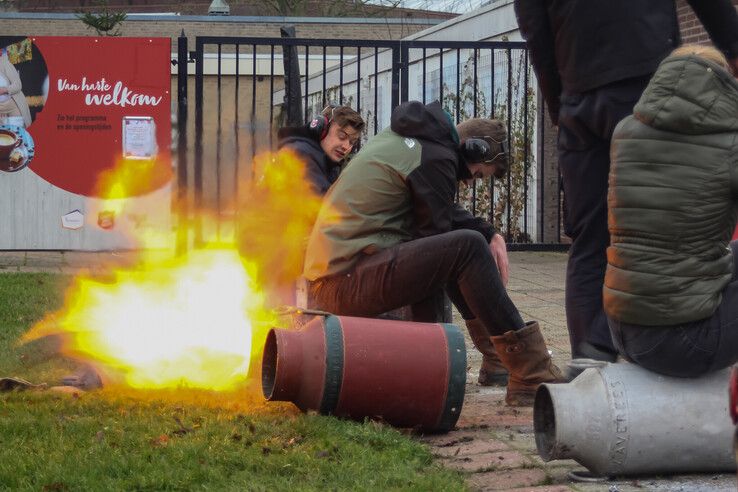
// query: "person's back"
[[370, 208], [319, 170], [348, 223], [602, 41], [673, 205]]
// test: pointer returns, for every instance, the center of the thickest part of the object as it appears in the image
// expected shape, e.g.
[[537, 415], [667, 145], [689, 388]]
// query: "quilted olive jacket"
[[673, 196]]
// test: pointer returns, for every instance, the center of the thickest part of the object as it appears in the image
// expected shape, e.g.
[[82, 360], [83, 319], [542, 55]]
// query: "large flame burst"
[[196, 321], [174, 323]]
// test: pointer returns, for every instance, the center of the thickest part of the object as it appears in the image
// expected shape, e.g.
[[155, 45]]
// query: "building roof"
[[311, 8]]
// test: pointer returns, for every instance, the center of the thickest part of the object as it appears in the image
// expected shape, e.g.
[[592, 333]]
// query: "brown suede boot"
[[492, 372], [525, 354]]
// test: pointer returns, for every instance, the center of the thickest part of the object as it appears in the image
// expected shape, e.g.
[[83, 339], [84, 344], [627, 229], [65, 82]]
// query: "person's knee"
[[470, 247], [468, 239]]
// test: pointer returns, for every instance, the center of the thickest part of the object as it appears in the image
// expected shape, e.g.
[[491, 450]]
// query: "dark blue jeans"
[[586, 124], [410, 273], [689, 349]]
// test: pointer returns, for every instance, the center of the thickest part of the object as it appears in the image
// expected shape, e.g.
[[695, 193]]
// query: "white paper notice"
[[139, 137], [73, 220]]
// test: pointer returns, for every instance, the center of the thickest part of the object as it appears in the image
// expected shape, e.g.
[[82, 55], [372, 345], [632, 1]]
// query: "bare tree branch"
[[325, 8]]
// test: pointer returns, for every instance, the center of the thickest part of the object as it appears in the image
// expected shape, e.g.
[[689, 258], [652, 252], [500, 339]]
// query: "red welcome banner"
[[103, 103]]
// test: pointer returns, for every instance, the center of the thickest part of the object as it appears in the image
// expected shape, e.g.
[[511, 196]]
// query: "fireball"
[[176, 324], [199, 320]]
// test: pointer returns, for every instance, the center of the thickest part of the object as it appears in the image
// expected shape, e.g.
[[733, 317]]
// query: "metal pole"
[[292, 89], [182, 184], [199, 55]]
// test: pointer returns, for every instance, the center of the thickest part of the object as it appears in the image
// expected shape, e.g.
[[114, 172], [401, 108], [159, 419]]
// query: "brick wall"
[[691, 28], [312, 8], [207, 26]]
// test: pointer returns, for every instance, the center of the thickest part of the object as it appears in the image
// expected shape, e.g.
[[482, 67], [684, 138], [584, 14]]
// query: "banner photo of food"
[[85, 129]]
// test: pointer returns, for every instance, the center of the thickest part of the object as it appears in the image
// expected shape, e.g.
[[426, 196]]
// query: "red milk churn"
[[735, 234], [408, 374]]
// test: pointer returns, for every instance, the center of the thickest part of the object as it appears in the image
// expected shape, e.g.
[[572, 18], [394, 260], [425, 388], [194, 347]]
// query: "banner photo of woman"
[[23, 81]]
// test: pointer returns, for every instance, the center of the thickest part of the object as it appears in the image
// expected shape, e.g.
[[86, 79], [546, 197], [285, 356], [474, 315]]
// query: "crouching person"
[[671, 287], [324, 143], [390, 235]]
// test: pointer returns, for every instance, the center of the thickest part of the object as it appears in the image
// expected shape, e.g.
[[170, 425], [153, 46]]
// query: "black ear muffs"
[[318, 126], [475, 150]]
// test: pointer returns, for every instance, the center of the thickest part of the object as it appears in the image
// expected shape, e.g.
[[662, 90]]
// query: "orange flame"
[[280, 211], [133, 177], [197, 321], [178, 324]]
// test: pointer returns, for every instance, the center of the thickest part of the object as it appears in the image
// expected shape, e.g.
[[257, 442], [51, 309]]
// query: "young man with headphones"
[[324, 143], [389, 234]]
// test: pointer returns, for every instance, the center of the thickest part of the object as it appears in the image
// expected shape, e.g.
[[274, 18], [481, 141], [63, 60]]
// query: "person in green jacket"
[[671, 286], [389, 235]]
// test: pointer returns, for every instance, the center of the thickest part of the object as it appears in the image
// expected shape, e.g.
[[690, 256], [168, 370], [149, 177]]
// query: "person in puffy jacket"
[[592, 59], [324, 143], [389, 234], [671, 285]]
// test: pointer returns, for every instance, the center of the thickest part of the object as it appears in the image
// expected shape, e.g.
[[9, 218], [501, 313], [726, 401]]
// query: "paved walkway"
[[494, 444]]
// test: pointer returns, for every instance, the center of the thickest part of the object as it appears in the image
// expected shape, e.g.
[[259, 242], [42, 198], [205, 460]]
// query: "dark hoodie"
[[399, 187], [320, 170]]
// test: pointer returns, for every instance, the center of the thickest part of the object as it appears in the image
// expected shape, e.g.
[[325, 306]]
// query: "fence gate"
[[246, 88]]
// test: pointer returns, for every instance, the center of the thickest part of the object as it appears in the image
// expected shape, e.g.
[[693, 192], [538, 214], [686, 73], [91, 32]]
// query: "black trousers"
[[586, 124], [689, 349], [413, 272]]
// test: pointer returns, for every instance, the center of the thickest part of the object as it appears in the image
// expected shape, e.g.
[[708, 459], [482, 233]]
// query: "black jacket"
[[579, 45], [319, 169]]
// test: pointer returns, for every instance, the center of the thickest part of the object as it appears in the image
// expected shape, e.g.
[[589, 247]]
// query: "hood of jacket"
[[304, 140], [690, 95], [425, 122], [290, 134], [429, 122]]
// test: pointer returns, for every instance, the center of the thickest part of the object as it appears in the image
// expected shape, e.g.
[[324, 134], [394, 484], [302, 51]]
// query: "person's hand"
[[499, 252]]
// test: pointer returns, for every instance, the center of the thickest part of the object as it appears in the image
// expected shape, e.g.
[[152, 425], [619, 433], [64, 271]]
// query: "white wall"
[[32, 211]]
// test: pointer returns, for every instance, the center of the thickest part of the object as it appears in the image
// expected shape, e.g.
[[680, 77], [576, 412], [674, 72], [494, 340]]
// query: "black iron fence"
[[246, 88]]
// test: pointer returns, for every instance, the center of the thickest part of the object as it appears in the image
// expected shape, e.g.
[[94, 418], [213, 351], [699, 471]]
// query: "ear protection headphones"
[[484, 149], [319, 125]]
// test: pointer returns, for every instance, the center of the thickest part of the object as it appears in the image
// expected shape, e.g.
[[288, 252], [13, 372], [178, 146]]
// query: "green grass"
[[179, 441]]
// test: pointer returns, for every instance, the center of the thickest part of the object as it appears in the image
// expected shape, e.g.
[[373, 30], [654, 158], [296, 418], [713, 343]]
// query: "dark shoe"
[[492, 372], [525, 354]]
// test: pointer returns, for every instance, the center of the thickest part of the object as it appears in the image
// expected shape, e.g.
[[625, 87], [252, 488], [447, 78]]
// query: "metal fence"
[[246, 88]]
